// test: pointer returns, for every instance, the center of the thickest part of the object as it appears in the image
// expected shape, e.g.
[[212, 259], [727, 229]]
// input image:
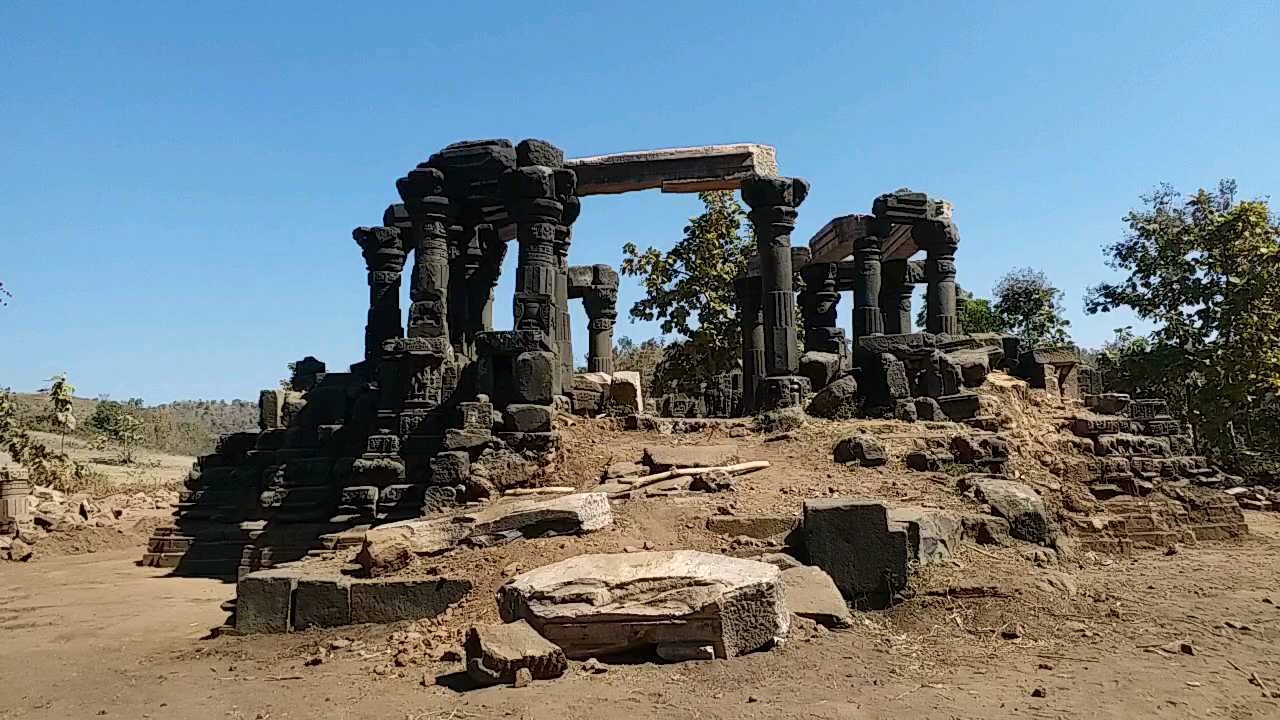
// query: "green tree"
[[643, 357], [1206, 271], [1029, 306], [117, 426], [61, 394], [689, 289], [974, 314]]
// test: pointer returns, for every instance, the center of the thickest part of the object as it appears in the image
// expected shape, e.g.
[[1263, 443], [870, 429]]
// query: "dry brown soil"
[[95, 636]]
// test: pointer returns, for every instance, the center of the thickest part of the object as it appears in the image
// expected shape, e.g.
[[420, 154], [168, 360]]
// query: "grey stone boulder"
[[812, 594], [932, 534], [820, 367], [604, 605], [838, 399], [496, 653], [862, 449], [625, 392], [1020, 505]]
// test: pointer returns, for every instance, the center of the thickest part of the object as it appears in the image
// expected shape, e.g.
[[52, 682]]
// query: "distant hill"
[[185, 427]]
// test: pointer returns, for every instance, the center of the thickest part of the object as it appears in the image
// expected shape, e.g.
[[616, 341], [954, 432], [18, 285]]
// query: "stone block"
[[600, 605], [709, 167], [535, 376], [761, 527], [974, 365], [666, 457], [812, 594], [270, 409], [932, 534], [387, 601], [1020, 505], [853, 541], [863, 449], [322, 602], [928, 409], [820, 367], [960, 406], [904, 409], [838, 399], [264, 601], [495, 653], [358, 497], [895, 377], [450, 468], [522, 417], [625, 391]]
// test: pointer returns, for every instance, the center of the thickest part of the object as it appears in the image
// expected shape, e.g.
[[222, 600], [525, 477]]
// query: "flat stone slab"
[[495, 653], [812, 594], [665, 457], [689, 169], [390, 547], [761, 527], [602, 605]]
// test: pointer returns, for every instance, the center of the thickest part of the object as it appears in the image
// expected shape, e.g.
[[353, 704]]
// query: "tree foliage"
[[118, 426], [689, 289], [1030, 307], [4, 295], [643, 358], [61, 396], [46, 467], [1206, 271]]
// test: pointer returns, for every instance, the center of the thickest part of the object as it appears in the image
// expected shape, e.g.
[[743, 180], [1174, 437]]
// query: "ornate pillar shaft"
[[492, 252], [818, 308], [942, 240], [773, 203], [384, 255], [867, 319], [600, 302], [751, 319], [895, 296], [564, 234], [430, 211]]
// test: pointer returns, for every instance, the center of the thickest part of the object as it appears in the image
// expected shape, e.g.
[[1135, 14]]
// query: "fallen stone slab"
[[932, 534], [691, 169], [812, 594], [1020, 505], [854, 542], [666, 457], [496, 653], [390, 547], [603, 605]]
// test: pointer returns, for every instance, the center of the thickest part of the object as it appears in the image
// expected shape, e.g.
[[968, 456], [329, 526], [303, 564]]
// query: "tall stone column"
[[773, 202], [564, 234], [940, 240], [600, 301], [867, 319], [384, 255], [895, 296], [751, 320], [431, 213], [493, 250]]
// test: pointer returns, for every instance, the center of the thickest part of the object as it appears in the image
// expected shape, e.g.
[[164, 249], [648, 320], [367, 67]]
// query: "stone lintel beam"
[[799, 258], [835, 241], [674, 170]]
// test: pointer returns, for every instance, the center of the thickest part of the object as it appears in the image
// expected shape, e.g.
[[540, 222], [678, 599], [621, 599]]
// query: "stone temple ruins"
[[445, 409]]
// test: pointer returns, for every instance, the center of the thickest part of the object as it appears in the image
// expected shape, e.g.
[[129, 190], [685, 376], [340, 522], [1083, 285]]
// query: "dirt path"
[[96, 636]]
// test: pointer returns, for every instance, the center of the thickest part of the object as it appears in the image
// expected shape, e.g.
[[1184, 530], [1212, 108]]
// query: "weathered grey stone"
[[624, 469], [665, 457], [975, 365], [987, 529], [932, 534], [534, 376], [821, 368], [927, 460], [812, 594], [522, 417], [392, 546], [863, 449], [625, 392], [895, 377], [905, 410], [761, 527], [264, 601], [694, 169], [852, 540], [388, 600], [322, 602], [782, 561], [838, 399], [495, 653], [928, 409], [1020, 505], [599, 605], [960, 406]]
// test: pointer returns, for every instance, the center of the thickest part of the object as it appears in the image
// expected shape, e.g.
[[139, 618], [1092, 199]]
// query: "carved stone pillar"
[[493, 250], [431, 213], [940, 241], [867, 319], [384, 255], [564, 233], [895, 296], [751, 319], [601, 305], [773, 203], [818, 308]]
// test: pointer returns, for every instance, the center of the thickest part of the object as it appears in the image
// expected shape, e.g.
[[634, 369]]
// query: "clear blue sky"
[[178, 181]]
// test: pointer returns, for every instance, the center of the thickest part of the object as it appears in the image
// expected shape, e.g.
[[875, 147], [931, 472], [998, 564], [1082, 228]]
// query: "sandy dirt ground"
[[150, 467], [96, 636]]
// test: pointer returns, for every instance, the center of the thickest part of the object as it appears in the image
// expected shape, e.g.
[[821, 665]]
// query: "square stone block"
[[853, 541], [322, 603], [386, 601], [264, 601]]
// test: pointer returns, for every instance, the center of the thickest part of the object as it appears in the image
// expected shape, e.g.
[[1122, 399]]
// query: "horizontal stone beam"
[[834, 242], [675, 170]]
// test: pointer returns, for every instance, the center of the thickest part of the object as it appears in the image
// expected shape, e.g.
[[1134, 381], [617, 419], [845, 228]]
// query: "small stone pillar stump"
[[940, 240]]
